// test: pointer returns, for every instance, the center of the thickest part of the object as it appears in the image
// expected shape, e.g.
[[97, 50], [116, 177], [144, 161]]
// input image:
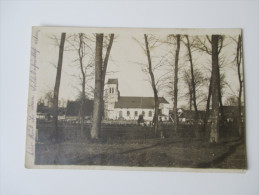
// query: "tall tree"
[[203, 46], [239, 56], [105, 65], [81, 44], [96, 124], [221, 78], [214, 134], [81, 54], [193, 85], [57, 84], [153, 82], [220, 86], [177, 51]]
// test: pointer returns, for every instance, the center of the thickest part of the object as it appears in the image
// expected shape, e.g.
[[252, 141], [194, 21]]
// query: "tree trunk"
[[176, 83], [214, 134], [190, 95], [193, 88], [57, 84], [81, 55], [221, 108], [104, 68], [153, 84], [220, 99], [82, 112], [207, 106], [239, 60], [97, 118]]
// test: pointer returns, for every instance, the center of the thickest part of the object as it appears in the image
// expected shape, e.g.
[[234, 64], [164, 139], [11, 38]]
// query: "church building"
[[130, 107]]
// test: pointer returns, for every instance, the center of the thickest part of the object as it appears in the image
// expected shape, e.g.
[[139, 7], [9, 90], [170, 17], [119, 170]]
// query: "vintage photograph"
[[124, 97]]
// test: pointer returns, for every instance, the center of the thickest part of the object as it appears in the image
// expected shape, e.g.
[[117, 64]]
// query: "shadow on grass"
[[217, 161]]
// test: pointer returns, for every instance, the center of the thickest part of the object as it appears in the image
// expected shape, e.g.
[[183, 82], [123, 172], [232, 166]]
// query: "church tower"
[[111, 96], [112, 90]]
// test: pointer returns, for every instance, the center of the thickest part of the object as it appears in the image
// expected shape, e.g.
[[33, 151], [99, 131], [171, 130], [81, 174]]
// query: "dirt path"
[[230, 159], [236, 157]]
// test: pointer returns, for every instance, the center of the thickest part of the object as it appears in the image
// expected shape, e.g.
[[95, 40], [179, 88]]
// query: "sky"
[[126, 61]]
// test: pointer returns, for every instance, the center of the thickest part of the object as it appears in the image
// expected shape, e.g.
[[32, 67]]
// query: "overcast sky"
[[125, 60]]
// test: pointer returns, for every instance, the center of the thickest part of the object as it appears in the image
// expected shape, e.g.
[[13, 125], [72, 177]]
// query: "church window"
[[112, 90], [128, 113], [136, 113]]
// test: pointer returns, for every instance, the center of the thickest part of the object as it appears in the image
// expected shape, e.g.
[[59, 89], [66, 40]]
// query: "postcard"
[[136, 99]]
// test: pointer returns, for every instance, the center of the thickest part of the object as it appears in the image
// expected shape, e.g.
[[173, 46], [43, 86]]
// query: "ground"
[[137, 146]]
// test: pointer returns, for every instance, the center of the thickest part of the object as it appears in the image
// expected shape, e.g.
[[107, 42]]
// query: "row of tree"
[[98, 61], [212, 46], [79, 43]]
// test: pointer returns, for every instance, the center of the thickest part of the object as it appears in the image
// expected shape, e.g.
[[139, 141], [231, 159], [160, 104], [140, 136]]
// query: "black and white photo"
[[136, 98]]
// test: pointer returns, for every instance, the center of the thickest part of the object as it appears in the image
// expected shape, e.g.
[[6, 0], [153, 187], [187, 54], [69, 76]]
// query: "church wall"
[[114, 114], [164, 108], [131, 115]]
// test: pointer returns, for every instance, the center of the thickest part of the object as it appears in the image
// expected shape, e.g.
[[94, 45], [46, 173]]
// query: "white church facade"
[[130, 107]]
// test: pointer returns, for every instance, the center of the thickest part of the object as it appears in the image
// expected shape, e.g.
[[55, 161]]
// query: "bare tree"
[[207, 113], [81, 44], [57, 85], [96, 124], [214, 134], [105, 65], [177, 51], [156, 76], [153, 82], [81, 55], [205, 45], [192, 84], [239, 58]]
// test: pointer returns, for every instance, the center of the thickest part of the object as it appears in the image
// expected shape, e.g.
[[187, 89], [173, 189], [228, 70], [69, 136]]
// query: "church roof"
[[113, 81], [138, 102]]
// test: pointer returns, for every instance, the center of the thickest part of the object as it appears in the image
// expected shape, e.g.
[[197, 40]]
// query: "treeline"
[[93, 53], [87, 60], [182, 49]]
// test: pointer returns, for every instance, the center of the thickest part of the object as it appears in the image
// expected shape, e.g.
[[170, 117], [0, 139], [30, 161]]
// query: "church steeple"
[[113, 90]]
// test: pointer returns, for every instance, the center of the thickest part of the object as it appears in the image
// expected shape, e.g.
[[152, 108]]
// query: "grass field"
[[138, 146]]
